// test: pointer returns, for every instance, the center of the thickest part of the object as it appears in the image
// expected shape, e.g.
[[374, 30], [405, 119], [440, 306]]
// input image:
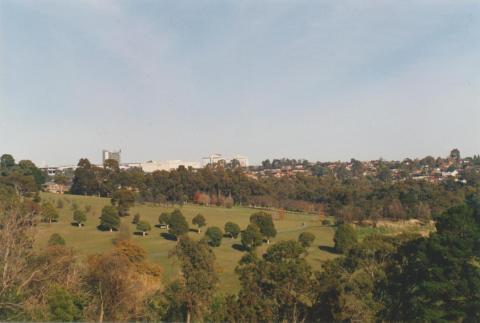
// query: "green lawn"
[[88, 240]]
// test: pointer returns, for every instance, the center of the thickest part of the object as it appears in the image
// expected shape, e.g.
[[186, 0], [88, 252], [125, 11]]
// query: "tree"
[[199, 221], [306, 239], [49, 213], [143, 226], [63, 307], [345, 238], [437, 278], [164, 218], [79, 217], [214, 236], [251, 237], [123, 199], [7, 161], [56, 240], [232, 229], [136, 218], [178, 225], [264, 222], [199, 277], [109, 220]]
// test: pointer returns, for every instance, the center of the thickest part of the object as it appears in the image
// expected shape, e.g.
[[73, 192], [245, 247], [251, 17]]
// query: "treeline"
[[382, 278], [351, 199]]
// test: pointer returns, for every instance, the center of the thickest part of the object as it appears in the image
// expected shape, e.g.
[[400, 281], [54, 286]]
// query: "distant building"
[[168, 165], [213, 159], [219, 159], [115, 155]]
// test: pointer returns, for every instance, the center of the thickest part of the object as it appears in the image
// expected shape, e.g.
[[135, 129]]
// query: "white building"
[[151, 165], [115, 155], [219, 159]]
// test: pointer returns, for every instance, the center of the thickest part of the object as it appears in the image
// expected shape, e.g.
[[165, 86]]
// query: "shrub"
[[306, 239], [56, 240]]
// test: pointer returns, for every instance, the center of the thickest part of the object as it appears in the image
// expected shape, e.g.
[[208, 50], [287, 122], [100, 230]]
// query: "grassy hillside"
[[89, 240]]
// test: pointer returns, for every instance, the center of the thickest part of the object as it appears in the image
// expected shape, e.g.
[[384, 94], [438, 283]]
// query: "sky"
[[321, 80]]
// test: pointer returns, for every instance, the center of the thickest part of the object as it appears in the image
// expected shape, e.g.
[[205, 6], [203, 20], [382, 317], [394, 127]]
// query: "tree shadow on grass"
[[327, 249], [168, 236], [239, 247], [193, 230]]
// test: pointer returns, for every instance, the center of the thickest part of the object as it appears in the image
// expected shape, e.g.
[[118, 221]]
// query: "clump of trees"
[[306, 239], [143, 227], [265, 224], [49, 212]]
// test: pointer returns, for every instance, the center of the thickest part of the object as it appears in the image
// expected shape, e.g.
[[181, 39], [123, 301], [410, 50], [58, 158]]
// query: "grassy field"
[[88, 240]]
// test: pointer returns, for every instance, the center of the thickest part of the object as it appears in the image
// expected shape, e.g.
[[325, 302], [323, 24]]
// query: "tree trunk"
[[188, 316], [143, 233], [111, 230]]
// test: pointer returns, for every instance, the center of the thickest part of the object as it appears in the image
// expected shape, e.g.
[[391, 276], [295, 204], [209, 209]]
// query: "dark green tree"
[[251, 237], [109, 220], [345, 238], [199, 277], [178, 225], [199, 221], [264, 222], [232, 229], [214, 236]]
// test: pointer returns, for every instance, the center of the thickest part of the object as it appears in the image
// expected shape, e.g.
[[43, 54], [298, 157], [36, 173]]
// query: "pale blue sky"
[[323, 80]]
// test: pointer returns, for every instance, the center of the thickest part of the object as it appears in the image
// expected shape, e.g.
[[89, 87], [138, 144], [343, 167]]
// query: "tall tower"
[[115, 155]]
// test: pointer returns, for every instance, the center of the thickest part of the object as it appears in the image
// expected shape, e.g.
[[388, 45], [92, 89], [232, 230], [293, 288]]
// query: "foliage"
[[56, 240], [199, 221], [143, 226], [232, 229], [123, 199], [79, 217], [178, 225], [214, 236], [199, 277], [49, 213], [109, 220], [251, 237], [136, 218], [306, 239], [63, 306], [264, 222], [345, 238]]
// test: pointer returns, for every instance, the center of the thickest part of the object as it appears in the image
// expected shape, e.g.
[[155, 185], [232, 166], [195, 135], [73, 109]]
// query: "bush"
[[306, 239], [214, 236], [345, 238], [326, 222], [59, 204], [136, 218], [56, 240]]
